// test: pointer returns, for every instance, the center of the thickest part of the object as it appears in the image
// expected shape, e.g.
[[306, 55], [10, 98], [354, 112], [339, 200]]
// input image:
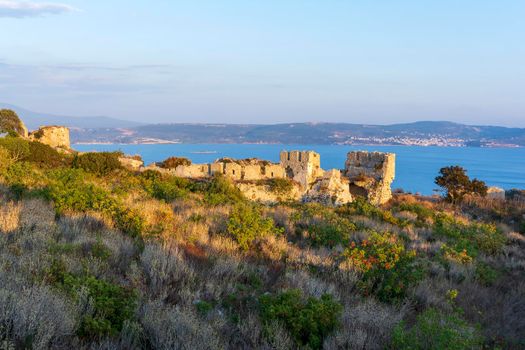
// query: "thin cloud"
[[22, 9]]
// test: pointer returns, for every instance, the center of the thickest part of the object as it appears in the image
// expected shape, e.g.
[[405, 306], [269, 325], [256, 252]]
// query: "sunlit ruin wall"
[[371, 175], [366, 174]]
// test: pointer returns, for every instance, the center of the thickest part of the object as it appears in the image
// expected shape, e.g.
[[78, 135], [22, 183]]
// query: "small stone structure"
[[238, 170], [302, 166], [496, 193], [131, 162], [366, 174], [371, 174], [54, 136]]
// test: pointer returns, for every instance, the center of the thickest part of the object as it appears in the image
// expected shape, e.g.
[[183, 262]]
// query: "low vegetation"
[[94, 256]]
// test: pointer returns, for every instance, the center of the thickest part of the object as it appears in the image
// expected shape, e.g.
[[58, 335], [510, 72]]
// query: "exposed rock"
[[54, 136], [330, 189], [495, 193], [131, 162], [262, 193], [371, 175]]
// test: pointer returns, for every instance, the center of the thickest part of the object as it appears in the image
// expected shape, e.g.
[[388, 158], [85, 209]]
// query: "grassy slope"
[[79, 250]]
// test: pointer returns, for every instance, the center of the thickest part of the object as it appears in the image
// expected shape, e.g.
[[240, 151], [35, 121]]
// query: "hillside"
[[96, 256], [425, 133], [419, 133], [34, 120]]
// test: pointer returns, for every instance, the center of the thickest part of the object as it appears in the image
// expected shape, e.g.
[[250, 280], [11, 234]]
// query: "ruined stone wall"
[[131, 163], [302, 166], [367, 174], [330, 189], [233, 170], [371, 175], [274, 171], [262, 193], [54, 136], [192, 170]]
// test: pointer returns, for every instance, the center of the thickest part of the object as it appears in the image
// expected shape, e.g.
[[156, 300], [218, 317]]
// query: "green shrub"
[[391, 285], [379, 251], [472, 237], [10, 123], [360, 206], [21, 177], [435, 330], [423, 213], [203, 307], [308, 321], [387, 269], [112, 305], [220, 190], [6, 160], [488, 238], [174, 162], [129, 221], [280, 186], [17, 147], [45, 156], [100, 163], [68, 191], [246, 224], [485, 274], [169, 188], [324, 227]]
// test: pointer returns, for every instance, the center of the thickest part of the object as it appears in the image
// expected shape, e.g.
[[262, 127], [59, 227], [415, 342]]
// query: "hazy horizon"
[[267, 62]]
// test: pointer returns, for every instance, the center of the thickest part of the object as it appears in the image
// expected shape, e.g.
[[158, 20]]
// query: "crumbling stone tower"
[[54, 136], [370, 175], [302, 166]]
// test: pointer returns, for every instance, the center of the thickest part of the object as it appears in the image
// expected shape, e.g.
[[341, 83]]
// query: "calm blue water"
[[416, 167]]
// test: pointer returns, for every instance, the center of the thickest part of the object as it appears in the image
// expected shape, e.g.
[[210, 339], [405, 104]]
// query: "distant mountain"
[[33, 120], [425, 133]]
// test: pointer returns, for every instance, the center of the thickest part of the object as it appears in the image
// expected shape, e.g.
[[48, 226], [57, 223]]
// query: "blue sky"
[[266, 61]]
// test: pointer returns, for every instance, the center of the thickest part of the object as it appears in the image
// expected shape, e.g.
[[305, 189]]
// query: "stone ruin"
[[54, 136], [371, 175], [366, 174]]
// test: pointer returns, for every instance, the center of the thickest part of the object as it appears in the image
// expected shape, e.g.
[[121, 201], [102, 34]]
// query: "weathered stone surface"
[[54, 136], [262, 193], [192, 170], [330, 189], [365, 174], [132, 163], [371, 175], [495, 193], [303, 167]]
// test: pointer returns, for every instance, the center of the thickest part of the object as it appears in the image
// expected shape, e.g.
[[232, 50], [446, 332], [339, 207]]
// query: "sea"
[[416, 167]]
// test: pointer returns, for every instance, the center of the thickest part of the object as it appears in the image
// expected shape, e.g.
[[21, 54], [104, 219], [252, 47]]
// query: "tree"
[[455, 181], [10, 123]]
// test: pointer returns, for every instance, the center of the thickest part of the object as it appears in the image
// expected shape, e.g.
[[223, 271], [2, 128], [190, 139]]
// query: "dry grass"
[[186, 258], [9, 217]]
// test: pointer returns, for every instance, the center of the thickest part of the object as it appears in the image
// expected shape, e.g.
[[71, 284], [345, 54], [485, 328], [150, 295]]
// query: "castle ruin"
[[366, 174], [54, 136]]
